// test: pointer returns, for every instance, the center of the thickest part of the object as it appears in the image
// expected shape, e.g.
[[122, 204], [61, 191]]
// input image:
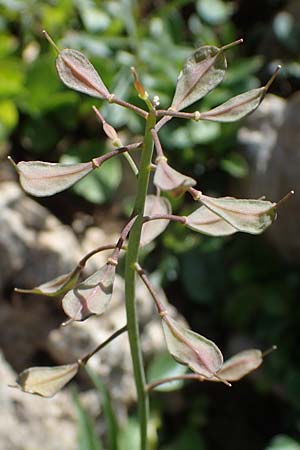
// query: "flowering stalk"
[[131, 259]]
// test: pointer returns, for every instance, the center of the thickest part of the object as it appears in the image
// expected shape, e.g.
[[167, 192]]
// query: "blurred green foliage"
[[233, 289]]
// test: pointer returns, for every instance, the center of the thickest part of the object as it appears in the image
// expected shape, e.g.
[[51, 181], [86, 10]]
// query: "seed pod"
[[168, 179], [247, 215], [155, 205], [42, 179], [205, 221], [240, 365], [46, 381], [92, 296], [76, 72], [55, 287], [200, 354], [201, 73]]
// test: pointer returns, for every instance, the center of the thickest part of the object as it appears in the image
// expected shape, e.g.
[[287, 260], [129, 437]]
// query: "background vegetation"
[[233, 290]]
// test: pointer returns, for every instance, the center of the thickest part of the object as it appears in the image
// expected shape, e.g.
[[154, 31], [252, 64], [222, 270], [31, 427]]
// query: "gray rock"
[[270, 141], [31, 422]]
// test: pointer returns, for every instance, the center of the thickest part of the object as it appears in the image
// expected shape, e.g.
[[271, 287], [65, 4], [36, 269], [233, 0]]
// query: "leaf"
[[92, 296], [201, 73], [187, 347], [46, 381], [163, 366], [76, 72], [283, 442], [155, 205], [240, 365], [237, 107], [205, 221], [55, 287], [87, 436], [168, 179], [247, 215], [42, 179], [108, 410]]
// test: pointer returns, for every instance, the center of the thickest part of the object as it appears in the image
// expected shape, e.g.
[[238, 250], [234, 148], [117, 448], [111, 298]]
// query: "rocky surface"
[[36, 247], [270, 140]]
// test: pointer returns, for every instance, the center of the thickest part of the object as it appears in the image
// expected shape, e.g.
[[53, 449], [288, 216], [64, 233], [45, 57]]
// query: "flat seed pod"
[[155, 205], [42, 179], [92, 296], [237, 107], [168, 179], [201, 73], [55, 287], [76, 72], [205, 221], [240, 365], [247, 215], [200, 354], [46, 381]]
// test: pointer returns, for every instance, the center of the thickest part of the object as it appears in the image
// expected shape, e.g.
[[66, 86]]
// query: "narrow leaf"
[[200, 354], [237, 107], [108, 410], [76, 72], [205, 221], [92, 296], [240, 365], [155, 205], [201, 73], [55, 287], [42, 179], [168, 179], [247, 215], [46, 381]]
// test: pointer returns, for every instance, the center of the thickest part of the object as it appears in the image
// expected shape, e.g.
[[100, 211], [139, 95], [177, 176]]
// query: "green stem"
[[131, 259]]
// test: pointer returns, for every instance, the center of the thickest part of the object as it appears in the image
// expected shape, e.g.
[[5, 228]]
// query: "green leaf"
[[201, 73], [235, 165], [155, 205], [76, 72], [205, 221], [197, 352], [163, 366], [87, 436], [214, 12], [237, 107], [168, 179], [108, 410], [247, 215], [42, 179], [92, 296], [129, 437], [282, 442], [55, 287], [46, 381]]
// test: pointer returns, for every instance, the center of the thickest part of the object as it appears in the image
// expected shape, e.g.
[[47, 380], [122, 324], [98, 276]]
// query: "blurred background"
[[241, 291]]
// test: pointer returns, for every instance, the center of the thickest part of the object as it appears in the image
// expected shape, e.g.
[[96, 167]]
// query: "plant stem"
[[189, 376], [131, 259], [117, 333]]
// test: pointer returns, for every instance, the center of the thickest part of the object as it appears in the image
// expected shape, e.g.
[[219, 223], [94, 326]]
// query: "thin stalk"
[[172, 217], [117, 333], [141, 112], [189, 376], [178, 114], [131, 259]]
